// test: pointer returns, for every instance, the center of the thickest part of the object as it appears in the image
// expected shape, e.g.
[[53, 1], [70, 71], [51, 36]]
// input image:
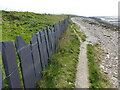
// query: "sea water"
[[110, 19]]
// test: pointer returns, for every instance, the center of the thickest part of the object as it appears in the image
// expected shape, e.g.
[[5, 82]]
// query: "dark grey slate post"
[[53, 40], [0, 66], [63, 24], [41, 49], [49, 40], [60, 28], [10, 64], [24, 52], [0, 73], [36, 57], [52, 37], [66, 21], [59, 31], [0, 77], [55, 31], [56, 28], [44, 47], [47, 43]]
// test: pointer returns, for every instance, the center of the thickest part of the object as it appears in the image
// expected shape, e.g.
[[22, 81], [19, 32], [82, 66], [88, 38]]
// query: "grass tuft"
[[62, 66], [96, 78], [81, 34]]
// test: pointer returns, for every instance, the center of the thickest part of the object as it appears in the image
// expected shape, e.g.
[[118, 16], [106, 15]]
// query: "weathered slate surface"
[[40, 47], [51, 41], [36, 57], [10, 64], [63, 25], [33, 57], [47, 43], [0, 66], [44, 47], [0, 77], [24, 52], [56, 29], [52, 37]]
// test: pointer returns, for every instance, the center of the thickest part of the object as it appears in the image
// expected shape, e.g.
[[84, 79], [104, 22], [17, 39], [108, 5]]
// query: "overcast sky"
[[77, 7]]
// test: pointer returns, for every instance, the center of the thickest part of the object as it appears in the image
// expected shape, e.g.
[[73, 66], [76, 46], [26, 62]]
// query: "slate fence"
[[33, 57]]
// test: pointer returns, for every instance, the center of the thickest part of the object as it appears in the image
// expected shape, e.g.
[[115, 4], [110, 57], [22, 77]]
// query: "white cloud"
[[78, 7]]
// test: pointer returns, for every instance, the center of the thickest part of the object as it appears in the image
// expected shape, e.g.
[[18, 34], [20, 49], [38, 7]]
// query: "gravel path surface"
[[82, 67], [108, 40]]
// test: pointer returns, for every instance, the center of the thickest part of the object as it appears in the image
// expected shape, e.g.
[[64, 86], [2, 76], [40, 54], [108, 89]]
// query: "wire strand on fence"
[[29, 45], [22, 60]]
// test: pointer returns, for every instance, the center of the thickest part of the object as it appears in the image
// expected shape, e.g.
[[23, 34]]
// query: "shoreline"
[[104, 24], [107, 38]]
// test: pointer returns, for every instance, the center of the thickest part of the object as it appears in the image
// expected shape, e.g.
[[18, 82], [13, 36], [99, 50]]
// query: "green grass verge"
[[62, 67], [81, 34], [96, 78], [25, 23]]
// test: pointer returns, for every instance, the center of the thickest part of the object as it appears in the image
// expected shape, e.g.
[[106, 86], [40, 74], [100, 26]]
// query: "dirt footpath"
[[108, 40], [82, 67]]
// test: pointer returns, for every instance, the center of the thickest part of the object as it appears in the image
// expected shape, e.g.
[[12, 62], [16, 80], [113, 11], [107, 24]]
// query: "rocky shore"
[[107, 38]]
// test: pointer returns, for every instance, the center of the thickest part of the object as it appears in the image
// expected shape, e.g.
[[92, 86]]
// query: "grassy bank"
[[62, 65], [81, 34], [96, 78], [25, 23]]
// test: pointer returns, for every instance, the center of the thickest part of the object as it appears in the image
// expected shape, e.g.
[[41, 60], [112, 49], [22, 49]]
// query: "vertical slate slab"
[[0, 66], [51, 41], [41, 49], [36, 57], [55, 30], [60, 28], [0, 77], [44, 47], [24, 52], [56, 27], [10, 64], [66, 23], [51, 34], [47, 43], [59, 31], [63, 25]]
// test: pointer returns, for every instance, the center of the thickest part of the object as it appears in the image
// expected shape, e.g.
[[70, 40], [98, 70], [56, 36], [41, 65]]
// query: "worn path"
[[82, 67], [108, 40]]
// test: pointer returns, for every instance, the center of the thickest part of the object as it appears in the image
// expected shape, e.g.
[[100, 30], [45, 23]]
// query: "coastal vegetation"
[[61, 72], [96, 78], [25, 23]]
